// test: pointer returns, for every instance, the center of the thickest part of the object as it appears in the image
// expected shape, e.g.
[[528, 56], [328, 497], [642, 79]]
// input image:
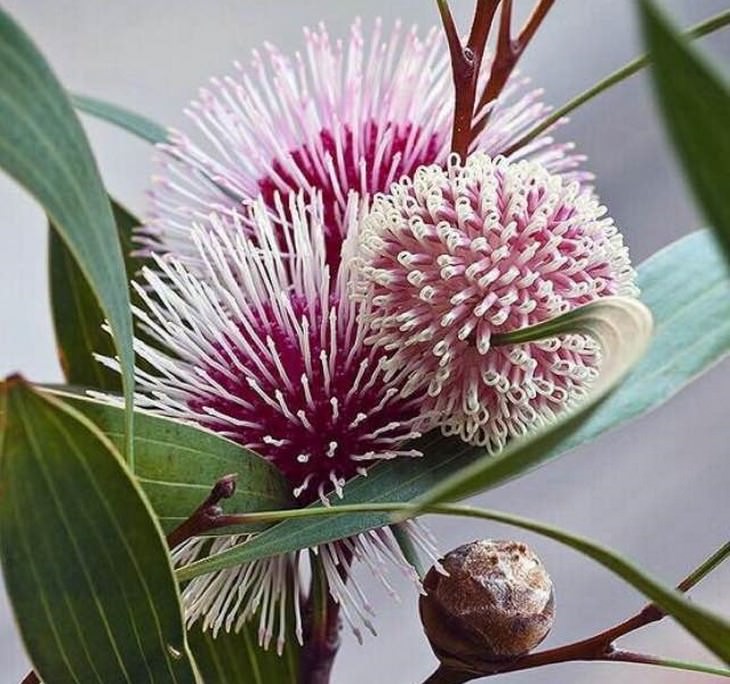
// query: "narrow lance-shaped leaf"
[[77, 316], [43, 146], [134, 123], [178, 464], [710, 629], [85, 563], [703, 28], [685, 286], [695, 104]]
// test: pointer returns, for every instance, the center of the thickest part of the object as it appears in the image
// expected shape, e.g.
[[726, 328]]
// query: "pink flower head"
[[341, 117], [266, 347], [454, 256], [269, 351]]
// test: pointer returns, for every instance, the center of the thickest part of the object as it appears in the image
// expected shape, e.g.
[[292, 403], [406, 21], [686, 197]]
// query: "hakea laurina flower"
[[267, 348], [352, 116], [455, 256]]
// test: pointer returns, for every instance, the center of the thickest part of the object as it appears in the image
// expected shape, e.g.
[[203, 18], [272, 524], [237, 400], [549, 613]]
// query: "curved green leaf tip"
[[695, 104], [43, 146], [622, 326]]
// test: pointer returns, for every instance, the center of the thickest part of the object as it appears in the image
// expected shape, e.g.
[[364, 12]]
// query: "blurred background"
[[656, 490]]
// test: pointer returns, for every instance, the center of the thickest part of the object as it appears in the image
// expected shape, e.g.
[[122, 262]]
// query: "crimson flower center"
[[319, 408], [341, 161]]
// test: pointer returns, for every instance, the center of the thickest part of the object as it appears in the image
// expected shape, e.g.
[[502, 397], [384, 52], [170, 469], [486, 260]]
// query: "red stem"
[[507, 54], [465, 64]]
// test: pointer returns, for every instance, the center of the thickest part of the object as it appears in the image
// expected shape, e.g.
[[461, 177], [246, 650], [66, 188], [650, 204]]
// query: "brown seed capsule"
[[496, 603]]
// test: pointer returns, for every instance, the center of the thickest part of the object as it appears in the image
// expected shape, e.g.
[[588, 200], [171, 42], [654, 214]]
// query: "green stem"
[[139, 125], [620, 656], [705, 569], [702, 29]]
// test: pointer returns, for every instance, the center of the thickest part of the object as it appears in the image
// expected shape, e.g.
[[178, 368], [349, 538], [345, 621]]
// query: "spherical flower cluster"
[[268, 350], [342, 117], [453, 257], [266, 347]]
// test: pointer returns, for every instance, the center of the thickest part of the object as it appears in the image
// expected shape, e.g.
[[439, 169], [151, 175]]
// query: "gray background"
[[656, 490]]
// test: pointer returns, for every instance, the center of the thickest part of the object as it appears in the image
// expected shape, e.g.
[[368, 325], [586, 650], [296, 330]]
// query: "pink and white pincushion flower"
[[266, 347], [344, 116], [453, 257], [269, 351]]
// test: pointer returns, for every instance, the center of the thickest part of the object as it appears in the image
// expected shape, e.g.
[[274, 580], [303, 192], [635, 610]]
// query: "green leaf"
[[77, 316], [178, 464], [87, 569], [706, 567], [686, 288], [710, 629], [43, 146], [236, 658], [695, 104], [138, 125]]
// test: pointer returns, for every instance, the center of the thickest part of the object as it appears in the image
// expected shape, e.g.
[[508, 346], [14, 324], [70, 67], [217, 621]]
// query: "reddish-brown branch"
[[598, 647], [31, 678], [465, 64], [534, 21], [507, 54], [322, 627]]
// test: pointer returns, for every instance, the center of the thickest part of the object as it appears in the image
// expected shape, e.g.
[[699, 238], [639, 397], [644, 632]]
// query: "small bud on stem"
[[208, 515]]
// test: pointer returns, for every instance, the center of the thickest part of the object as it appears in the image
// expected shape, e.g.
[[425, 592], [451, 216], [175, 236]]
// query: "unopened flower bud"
[[495, 603]]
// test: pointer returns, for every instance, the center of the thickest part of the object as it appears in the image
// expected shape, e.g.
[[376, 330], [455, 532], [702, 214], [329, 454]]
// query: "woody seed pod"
[[495, 603]]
